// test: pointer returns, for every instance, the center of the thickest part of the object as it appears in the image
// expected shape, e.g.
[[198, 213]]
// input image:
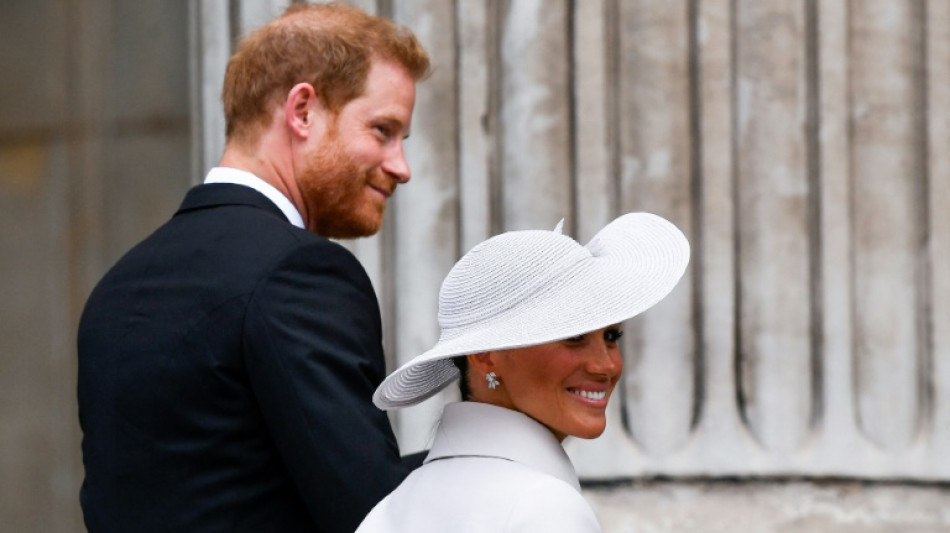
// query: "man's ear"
[[300, 109]]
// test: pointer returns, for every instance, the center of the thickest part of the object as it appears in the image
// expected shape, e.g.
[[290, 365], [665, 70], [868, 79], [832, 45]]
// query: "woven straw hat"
[[525, 288]]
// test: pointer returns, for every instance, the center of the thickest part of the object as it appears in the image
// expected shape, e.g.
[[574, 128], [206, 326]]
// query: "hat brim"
[[635, 261]]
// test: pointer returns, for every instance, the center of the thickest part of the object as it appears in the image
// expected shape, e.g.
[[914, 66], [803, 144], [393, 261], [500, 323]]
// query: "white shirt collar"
[[241, 177], [484, 430]]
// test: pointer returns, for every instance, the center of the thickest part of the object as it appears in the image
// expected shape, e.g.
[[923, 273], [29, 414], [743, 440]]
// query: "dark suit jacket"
[[226, 368]]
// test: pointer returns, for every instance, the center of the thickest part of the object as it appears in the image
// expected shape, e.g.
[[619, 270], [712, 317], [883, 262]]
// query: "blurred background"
[[798, 380]]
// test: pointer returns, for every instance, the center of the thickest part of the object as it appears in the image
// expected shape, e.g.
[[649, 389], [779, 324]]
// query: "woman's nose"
[[605, 359]]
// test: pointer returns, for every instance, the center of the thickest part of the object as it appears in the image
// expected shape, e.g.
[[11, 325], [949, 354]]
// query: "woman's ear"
[[481, 363], [300, 109], [486, 381]]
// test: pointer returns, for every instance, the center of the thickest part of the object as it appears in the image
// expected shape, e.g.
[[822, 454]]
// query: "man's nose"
[[396, 165]]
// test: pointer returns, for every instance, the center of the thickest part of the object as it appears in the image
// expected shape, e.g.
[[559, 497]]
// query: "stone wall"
[[770, 506], [800, 144], [95, 152]]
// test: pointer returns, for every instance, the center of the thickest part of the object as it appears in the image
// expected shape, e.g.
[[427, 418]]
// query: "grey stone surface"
[[771, 507], [33, 56], [95, 152]]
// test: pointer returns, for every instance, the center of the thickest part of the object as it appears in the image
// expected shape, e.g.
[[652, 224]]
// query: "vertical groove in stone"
[[696, 191], [814, 221]]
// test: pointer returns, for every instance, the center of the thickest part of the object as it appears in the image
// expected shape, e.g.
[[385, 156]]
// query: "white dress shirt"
[[241, 177], [490, 469]]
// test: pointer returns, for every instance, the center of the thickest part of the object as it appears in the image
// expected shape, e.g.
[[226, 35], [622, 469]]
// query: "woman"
[[530, 321]]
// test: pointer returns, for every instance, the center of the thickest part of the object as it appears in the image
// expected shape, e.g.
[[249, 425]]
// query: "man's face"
[[356, 164]]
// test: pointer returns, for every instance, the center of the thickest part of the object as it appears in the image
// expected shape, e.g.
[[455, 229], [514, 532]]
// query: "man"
[[227, 362]]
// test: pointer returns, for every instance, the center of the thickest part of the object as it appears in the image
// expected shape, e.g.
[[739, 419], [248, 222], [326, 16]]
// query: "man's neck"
[[277, 172]]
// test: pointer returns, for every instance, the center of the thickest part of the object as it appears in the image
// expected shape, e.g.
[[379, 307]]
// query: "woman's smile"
[[590, 396]]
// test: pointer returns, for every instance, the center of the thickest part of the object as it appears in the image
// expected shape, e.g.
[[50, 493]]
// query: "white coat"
[[490, 469]]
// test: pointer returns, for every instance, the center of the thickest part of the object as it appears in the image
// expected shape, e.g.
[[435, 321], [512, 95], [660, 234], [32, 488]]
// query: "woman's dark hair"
[[462, 364]]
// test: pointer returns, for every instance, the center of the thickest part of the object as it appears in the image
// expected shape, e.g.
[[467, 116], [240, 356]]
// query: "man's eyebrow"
[[389, 117]]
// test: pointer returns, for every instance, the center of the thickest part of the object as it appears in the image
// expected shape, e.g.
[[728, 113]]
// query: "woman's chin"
[[589, 431], [591, 436]]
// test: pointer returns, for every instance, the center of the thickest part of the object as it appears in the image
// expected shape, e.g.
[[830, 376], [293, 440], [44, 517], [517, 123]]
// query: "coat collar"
[[243, 177], [473, 429], [218, 194]]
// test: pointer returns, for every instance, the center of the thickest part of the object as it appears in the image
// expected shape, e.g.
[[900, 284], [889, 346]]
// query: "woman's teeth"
[[590, 395]]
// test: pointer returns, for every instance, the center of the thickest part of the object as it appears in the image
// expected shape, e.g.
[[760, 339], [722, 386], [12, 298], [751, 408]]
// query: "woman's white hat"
[[525, 288]]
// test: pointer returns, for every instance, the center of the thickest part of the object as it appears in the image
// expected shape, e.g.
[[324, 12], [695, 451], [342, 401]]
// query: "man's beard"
[[335, 192]]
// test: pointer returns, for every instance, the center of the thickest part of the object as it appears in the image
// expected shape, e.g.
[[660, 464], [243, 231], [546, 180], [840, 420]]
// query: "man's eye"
[[384, 131], [612, 335]]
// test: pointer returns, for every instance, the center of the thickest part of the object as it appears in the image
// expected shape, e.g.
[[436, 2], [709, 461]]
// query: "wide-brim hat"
[[524, 288]]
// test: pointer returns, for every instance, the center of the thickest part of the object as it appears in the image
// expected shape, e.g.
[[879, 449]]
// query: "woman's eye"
[[576, 338], [612, 335]]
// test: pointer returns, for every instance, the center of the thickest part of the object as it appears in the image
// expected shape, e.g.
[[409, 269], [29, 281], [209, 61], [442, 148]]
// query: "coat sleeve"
[[551, 506], [313, 346]]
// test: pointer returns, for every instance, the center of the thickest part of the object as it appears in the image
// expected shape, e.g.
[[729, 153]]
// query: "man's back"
[[194, 352]]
